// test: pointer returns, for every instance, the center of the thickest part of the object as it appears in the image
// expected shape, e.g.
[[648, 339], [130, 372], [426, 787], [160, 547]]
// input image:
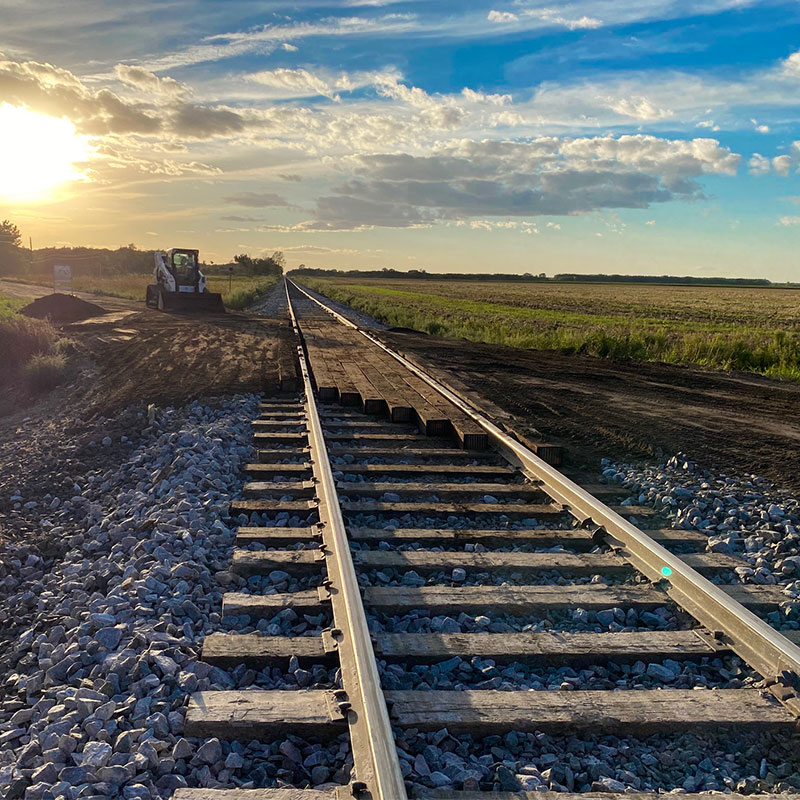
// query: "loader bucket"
[[191, 302]]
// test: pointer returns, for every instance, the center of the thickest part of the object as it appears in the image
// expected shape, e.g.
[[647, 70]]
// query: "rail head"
[[387, 781], [759, 644]]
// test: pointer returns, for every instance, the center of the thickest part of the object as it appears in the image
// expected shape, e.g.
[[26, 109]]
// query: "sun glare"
[[38, 154]]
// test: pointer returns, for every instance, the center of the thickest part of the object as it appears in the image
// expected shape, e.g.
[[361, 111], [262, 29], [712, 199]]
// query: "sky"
[[622, 136]]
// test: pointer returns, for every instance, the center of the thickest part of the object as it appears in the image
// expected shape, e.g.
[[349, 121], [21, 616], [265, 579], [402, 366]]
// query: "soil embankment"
[[595, 407]]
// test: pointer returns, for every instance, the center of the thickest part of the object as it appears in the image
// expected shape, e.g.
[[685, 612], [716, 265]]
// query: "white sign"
[[62, 277]]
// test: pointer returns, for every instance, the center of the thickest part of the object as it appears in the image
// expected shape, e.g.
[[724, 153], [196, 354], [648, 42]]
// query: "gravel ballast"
[[110, 631], [742, 516]]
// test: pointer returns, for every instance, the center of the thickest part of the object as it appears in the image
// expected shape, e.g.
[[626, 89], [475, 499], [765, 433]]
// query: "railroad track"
[[428, 559]]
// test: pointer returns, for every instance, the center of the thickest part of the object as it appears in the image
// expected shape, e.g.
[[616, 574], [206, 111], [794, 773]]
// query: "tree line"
[[562, 277], [16, 260]]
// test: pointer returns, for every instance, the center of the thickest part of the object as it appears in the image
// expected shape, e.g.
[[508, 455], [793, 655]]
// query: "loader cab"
[[183, 264]]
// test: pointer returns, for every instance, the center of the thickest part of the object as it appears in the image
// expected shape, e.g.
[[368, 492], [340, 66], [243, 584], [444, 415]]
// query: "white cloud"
[[502, 16], [758, 164], [683, 98], [782, 165], [552, 16], [639, 108], [289, 48], [791, 65], [788, 221], [472, 180], [390, 86], [51, 90], [650, 222], [677, 156], [146, 81], [548, 16], [267, 38], [303, 83], [482, 97], [440, 112], [506, 119]]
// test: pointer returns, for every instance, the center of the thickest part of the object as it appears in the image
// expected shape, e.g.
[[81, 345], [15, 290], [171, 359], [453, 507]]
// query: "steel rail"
[[386, 781], [759, 644]]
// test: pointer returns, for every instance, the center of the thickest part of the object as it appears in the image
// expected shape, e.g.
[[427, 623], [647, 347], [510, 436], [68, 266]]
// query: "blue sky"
[[516, 135]]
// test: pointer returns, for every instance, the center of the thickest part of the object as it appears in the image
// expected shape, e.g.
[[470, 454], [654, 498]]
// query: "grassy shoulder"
[[10, 305], [753, 329], [30, 349], [238, 292]]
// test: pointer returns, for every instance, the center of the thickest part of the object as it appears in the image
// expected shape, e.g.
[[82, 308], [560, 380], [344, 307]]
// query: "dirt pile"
[[61, 308]]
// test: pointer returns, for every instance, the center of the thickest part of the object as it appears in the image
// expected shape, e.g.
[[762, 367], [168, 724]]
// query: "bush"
[[45, 372], [22, 338], [241, 298]]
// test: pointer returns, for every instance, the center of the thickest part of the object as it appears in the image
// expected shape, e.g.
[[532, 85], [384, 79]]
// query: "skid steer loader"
[[179, 284]]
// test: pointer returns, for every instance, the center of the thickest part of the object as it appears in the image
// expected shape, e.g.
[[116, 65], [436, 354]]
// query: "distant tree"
[[12, 261], [271, 265], [9, 234], [278, 258], [245, 262]]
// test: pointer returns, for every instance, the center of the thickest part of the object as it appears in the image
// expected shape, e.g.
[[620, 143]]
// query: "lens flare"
[[38, 154]]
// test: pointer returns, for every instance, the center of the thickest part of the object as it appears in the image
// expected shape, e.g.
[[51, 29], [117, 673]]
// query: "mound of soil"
[[61, 308]]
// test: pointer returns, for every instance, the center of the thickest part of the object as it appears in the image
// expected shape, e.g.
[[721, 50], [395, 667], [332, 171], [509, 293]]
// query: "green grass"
[[749, 329], [10, 305], [46, 371], [22, 338], [244, 289]]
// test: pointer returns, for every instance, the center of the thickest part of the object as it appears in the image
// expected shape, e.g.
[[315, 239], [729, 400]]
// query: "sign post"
[[62, 278]]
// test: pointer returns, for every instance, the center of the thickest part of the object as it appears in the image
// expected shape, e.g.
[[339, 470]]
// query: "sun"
[[38, 154]]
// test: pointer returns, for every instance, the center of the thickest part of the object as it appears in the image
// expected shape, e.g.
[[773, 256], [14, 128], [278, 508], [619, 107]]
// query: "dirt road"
[[28, 290]]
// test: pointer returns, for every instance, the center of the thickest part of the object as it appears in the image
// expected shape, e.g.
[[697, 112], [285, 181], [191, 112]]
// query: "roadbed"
[[733, 423]]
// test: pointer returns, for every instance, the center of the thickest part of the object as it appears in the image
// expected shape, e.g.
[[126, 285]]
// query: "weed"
[[10, 305], [22, 338], [45, 372]]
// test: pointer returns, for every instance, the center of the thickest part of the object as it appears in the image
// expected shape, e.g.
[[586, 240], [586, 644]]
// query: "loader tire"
[[151, 298]]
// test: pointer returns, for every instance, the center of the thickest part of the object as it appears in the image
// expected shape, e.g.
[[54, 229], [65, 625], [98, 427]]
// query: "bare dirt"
[[125, 354], [162, 358], [731, 423], [123, 360]]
